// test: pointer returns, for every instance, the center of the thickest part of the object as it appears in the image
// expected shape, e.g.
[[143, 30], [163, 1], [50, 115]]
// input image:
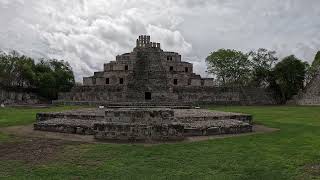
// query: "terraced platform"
[[135, 124]]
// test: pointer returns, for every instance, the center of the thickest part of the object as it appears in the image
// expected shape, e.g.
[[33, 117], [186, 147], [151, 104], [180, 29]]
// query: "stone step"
[[138, 131], [195, 115], [71, 126], [134, 106], [82, 114], [208, 128]]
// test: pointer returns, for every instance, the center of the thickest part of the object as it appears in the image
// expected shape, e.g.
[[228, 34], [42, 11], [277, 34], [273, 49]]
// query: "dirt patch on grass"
[[27, 131], [32, 150], [313, 169]]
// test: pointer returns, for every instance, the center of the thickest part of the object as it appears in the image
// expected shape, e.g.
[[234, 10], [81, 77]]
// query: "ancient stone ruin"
[[144, 124], [148, 94], [149, 75], [21, 97], [311, 94]]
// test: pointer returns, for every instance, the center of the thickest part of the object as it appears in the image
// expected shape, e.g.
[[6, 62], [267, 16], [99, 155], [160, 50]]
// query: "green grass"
[[22, 116], [278, 155]]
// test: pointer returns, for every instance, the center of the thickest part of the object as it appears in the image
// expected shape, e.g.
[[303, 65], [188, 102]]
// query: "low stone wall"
[[217, 127], [137, 124], [70, 126], [18, 97], [226, 95], [138, 131], [140, 115], [95, 95], [88, 117]]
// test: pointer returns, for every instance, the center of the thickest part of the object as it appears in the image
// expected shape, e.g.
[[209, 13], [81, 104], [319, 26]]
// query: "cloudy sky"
[[90, 33]]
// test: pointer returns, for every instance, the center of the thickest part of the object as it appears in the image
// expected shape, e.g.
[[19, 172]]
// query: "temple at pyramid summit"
[[150, 75]]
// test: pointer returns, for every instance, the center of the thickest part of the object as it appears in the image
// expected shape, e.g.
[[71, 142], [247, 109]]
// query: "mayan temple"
[[311, 94], [150, 75]]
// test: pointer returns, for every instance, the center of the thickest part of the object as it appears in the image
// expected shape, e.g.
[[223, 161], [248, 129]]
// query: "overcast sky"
[[90, 33]]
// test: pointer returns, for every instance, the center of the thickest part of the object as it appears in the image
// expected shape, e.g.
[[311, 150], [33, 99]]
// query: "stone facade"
[[9, 97], [149, 74], [311, 94]]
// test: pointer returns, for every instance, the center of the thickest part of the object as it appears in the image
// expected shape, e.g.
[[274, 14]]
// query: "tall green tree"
[[16, 70], [230, 67], [53, 77], [289, 76], [47, 76], [262, 62]]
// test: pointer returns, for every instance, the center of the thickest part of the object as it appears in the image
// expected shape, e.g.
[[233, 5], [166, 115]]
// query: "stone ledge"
[[138, 132], [71, 126]]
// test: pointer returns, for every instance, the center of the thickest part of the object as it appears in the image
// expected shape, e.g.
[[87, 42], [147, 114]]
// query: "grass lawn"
[[22, 116], [286, 154]]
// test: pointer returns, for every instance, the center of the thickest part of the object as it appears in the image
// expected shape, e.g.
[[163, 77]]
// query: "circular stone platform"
[[144, 124]]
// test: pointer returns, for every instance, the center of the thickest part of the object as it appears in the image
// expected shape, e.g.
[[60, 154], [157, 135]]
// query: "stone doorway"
[[147, 95]]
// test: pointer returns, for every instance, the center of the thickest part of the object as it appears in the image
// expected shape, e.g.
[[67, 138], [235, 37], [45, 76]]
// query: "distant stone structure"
[[14, 97], [149, 75], [311, 94]]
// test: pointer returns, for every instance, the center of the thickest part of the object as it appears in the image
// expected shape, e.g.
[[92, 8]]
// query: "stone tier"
[[70, 126], [108, 104], [138, 131], [137, 124], [217, 127]]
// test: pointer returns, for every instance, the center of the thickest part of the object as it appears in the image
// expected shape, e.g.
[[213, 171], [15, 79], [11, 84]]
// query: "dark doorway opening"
[[175, 81], [147, 95]]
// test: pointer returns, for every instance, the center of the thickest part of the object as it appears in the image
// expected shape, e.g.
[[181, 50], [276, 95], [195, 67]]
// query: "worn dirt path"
[[38, 147]]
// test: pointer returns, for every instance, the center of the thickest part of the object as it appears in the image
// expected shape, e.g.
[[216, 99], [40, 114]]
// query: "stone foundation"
[[144, 124], [138, 132]]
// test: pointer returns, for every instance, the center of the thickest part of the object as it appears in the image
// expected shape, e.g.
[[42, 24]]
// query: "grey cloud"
[[90, 33]]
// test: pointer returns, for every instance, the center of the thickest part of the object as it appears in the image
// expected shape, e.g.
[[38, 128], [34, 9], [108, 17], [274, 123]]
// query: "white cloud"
[[90, 33]]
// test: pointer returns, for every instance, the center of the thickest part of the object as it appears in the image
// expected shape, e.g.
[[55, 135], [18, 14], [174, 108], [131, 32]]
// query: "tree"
[[63, 74], [230, 67], [289, 76], [48, 77], [16, 70], [262, 62], [53, 77]]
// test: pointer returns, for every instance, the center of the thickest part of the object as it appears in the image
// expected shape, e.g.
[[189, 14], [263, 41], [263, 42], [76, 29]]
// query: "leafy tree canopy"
[[289, 76], [230, 67], [262, 62], [47, 76]]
